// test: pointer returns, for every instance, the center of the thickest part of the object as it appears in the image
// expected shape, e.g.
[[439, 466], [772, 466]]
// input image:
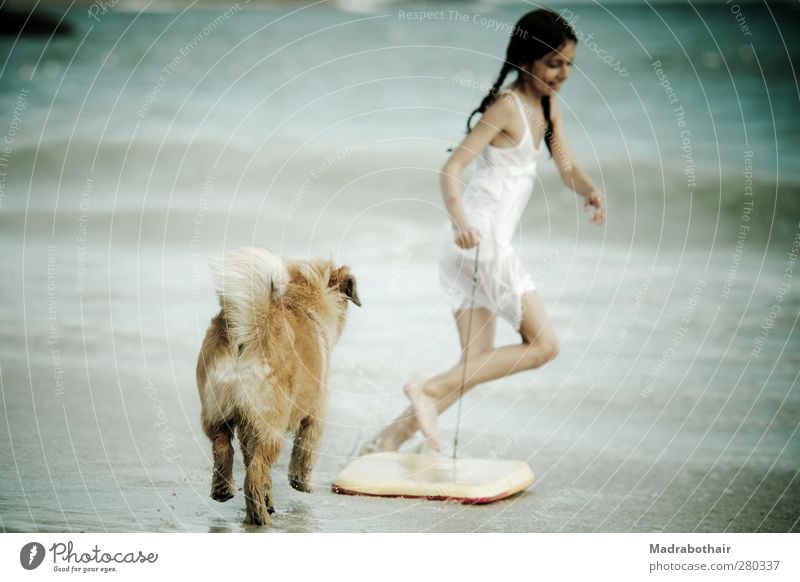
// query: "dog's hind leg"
[[260, 453], [304, 453], [222, 486]]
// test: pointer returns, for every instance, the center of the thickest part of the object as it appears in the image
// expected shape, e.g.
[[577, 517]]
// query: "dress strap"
[[521, 111]]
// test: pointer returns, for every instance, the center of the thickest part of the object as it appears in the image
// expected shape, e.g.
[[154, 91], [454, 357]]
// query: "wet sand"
[[654, 417]]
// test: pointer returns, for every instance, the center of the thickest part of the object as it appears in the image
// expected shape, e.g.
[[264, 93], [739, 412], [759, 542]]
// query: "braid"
[[548, 134], [490, 97]]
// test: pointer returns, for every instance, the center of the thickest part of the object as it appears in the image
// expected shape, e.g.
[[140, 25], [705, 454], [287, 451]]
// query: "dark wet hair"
[[535, 34]]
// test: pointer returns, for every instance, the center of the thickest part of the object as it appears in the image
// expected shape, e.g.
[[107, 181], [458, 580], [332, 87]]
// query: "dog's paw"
[[222, 495], [259, 513], [300, 484]]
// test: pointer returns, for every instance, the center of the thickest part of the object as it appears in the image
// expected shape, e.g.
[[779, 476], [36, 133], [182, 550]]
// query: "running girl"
[[518, 123]]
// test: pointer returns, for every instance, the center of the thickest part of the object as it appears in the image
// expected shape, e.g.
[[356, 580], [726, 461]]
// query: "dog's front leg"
[[304, 453]]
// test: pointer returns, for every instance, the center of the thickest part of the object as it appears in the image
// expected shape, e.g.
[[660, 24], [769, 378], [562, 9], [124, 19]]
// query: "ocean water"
[[143, 144]]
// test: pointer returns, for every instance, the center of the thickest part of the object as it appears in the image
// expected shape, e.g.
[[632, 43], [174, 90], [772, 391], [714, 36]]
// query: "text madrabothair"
[[689, 549]]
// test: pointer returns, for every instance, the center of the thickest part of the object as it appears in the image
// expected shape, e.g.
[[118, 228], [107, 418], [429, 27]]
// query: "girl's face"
[[550, 72]]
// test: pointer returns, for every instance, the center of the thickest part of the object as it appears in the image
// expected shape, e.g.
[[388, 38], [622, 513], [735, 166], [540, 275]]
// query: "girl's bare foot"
[[425, 412], [373, 446], [393, 436]]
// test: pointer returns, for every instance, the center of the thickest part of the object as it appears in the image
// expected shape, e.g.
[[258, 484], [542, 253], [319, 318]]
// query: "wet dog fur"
[[263, 367]]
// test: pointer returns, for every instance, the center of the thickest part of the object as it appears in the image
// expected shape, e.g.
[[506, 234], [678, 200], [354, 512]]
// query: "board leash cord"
[[466, 350]]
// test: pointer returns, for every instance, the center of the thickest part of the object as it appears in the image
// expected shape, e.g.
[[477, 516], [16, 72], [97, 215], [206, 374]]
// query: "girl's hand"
[[467, 237], [595, 199]]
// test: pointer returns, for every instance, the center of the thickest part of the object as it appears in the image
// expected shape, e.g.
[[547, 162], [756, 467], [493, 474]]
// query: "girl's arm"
[[494, 120], [568, 168]]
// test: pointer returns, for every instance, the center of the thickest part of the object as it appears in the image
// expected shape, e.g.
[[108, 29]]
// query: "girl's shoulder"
[[506, 96], [503, 105]]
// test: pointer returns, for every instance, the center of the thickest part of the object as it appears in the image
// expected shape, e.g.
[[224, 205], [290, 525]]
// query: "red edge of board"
[[463, 500]]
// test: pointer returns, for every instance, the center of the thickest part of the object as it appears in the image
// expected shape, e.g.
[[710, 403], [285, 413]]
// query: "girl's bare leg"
[[432, 396], [481, 340]]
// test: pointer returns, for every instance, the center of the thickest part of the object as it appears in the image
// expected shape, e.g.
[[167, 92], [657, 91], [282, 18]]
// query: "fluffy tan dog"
[[263, 367]]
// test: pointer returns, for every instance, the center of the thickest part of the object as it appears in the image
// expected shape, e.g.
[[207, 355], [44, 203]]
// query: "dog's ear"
[[345, 281]]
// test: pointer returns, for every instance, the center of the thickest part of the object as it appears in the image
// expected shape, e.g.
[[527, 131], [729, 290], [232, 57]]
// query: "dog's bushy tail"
[[247, 281]]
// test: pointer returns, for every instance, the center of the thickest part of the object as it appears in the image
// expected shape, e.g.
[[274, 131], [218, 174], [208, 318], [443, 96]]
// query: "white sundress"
[[493, 200]]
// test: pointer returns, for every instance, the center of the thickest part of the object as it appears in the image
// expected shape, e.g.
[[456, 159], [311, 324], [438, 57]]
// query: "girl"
[[508, 141]]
